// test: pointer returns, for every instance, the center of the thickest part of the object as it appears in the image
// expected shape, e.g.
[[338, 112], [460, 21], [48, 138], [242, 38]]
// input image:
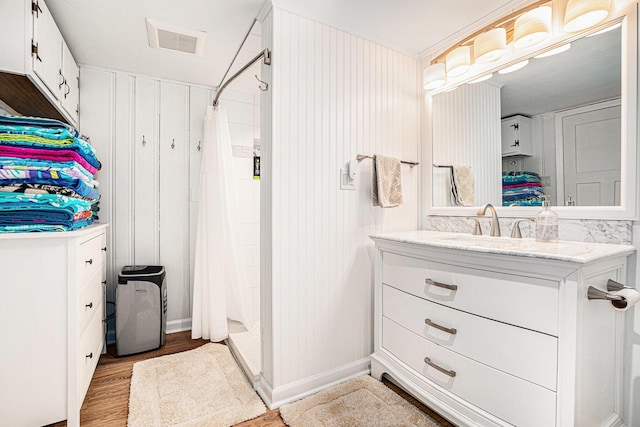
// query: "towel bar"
[[361, 157]]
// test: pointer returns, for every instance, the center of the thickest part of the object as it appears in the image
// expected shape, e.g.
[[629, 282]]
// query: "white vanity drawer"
[[89, 349], [89, 300], [524, 301], [91, 256], [509, 398], [521, 352]]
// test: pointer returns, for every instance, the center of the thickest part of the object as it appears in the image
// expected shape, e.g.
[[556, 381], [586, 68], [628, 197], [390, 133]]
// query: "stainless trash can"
[[141, 309]]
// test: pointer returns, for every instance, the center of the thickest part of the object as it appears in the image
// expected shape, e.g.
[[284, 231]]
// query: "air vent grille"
[[170, 37]]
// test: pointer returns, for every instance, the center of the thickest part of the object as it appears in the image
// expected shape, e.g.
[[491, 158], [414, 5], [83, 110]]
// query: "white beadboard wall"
[[333, 95], [468, 136]]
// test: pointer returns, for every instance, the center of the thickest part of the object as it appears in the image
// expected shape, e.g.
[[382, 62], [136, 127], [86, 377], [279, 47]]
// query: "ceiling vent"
[[170, 37]]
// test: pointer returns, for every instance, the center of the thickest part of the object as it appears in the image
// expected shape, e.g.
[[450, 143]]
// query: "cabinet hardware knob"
[[451, 331], [516, 143], [515, 126], [90, 305], [89, 261], [34, 50], [143, 141], [173, 143], [104, 249], [441, 285], [104, 282], [199, 145], [89, 356], [68, 91], [439, 368], [63, 81], [35, 8]]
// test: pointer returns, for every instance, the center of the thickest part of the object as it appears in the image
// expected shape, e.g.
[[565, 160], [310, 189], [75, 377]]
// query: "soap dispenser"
[[546, 223]]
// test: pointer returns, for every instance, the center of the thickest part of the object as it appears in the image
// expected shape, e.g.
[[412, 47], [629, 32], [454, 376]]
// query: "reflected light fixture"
[[482, 79], [606, 30], [581, 14], [490, 46], [557, 50], [532, 27], [514, 67], [458, 61], [433, 76]]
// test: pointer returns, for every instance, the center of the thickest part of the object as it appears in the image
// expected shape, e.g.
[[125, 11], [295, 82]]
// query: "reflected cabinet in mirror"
[[561, 128]]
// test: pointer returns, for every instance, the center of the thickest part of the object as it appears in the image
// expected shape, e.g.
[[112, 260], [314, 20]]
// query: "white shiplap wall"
[[466, 126], [333, 95]]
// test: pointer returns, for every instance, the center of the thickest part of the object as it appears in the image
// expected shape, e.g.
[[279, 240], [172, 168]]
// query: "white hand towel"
[[386, 185], [463, 184]]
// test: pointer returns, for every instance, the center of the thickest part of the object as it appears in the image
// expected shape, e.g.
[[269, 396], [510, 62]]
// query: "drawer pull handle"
[[452, 331], [89, 261], [441, 285], [90, 305], [439, 368], [104, 249], [104, 282], [89, 356]]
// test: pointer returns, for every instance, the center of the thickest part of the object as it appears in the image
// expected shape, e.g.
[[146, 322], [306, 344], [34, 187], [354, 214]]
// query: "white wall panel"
[[466, 124], [333, 95], [174, 197]]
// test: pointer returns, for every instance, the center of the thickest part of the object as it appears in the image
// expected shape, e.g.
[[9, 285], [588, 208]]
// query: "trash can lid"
[[138, 270]]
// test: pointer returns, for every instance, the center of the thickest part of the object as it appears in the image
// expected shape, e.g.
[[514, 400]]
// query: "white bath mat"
[[361, 402], [200, 387]]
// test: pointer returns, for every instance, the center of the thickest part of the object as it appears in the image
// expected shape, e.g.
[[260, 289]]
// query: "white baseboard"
[[276, 397], [179, 325]]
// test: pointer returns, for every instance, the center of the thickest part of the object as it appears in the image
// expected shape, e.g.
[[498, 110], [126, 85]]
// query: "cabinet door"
[[69, 93], [510, 136], [174, 196], [47, 38]]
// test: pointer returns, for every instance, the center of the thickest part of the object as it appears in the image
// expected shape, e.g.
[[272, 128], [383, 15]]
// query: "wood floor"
[[107, 400]]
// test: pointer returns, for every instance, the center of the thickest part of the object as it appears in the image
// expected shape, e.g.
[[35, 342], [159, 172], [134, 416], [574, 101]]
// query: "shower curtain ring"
[[262, 82]]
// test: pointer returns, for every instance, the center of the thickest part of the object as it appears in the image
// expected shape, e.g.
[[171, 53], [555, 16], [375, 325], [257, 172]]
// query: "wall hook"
[[173, 143], [143, 141], [199, 145], [262, 82]]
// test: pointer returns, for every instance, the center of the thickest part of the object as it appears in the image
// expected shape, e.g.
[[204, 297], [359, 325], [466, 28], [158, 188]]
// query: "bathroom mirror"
[[572, 117]]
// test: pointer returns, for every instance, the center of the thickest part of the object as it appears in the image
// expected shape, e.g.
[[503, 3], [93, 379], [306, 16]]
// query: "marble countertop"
[[579, 252]]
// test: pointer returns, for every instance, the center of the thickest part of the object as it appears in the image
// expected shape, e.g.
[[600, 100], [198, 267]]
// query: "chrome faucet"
[[495, 225]]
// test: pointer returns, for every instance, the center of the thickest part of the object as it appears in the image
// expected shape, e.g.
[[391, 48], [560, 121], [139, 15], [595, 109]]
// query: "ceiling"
[[112, 33]]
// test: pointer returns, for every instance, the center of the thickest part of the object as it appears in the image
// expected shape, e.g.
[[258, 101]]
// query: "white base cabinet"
[[52, 313], [491, 339]]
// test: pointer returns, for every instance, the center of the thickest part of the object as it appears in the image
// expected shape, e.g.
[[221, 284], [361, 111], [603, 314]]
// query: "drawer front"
[[528, 302], [511, 399], [521, 352], [89, 300], [89, 349], [90, 256]]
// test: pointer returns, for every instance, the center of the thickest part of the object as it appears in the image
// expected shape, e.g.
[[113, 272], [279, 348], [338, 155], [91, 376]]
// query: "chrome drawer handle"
[[441, 285], [452, 331], [89, 261], [90, 305], [444, 371], [104, 282], [89, 356], [104, 249]]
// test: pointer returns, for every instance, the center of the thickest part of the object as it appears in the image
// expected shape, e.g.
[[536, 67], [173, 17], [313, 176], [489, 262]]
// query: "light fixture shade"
[[458, 61], [532, 27], [557, 50], [433, 76], [482, 79], [490, 46], [581, 14], [514, 67]]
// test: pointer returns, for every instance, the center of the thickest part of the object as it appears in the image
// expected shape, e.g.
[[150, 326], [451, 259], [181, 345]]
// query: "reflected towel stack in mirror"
[[521, 189], [46, 176]]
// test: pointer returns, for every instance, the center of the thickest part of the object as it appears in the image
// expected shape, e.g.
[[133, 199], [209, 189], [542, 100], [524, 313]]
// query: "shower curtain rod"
[[267, 61]]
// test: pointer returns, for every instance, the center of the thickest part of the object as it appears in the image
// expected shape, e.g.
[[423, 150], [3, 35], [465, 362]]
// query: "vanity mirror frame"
[[627, 15]]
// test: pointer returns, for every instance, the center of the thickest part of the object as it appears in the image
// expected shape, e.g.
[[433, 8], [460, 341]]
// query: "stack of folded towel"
[[521, 189], [46, 176]]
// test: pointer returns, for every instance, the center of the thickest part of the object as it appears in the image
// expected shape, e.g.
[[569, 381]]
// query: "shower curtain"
[[219, 285]]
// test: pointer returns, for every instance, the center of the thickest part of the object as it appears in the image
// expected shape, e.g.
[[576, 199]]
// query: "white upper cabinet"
[[516, 136], [38, 74], [46, 50]]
